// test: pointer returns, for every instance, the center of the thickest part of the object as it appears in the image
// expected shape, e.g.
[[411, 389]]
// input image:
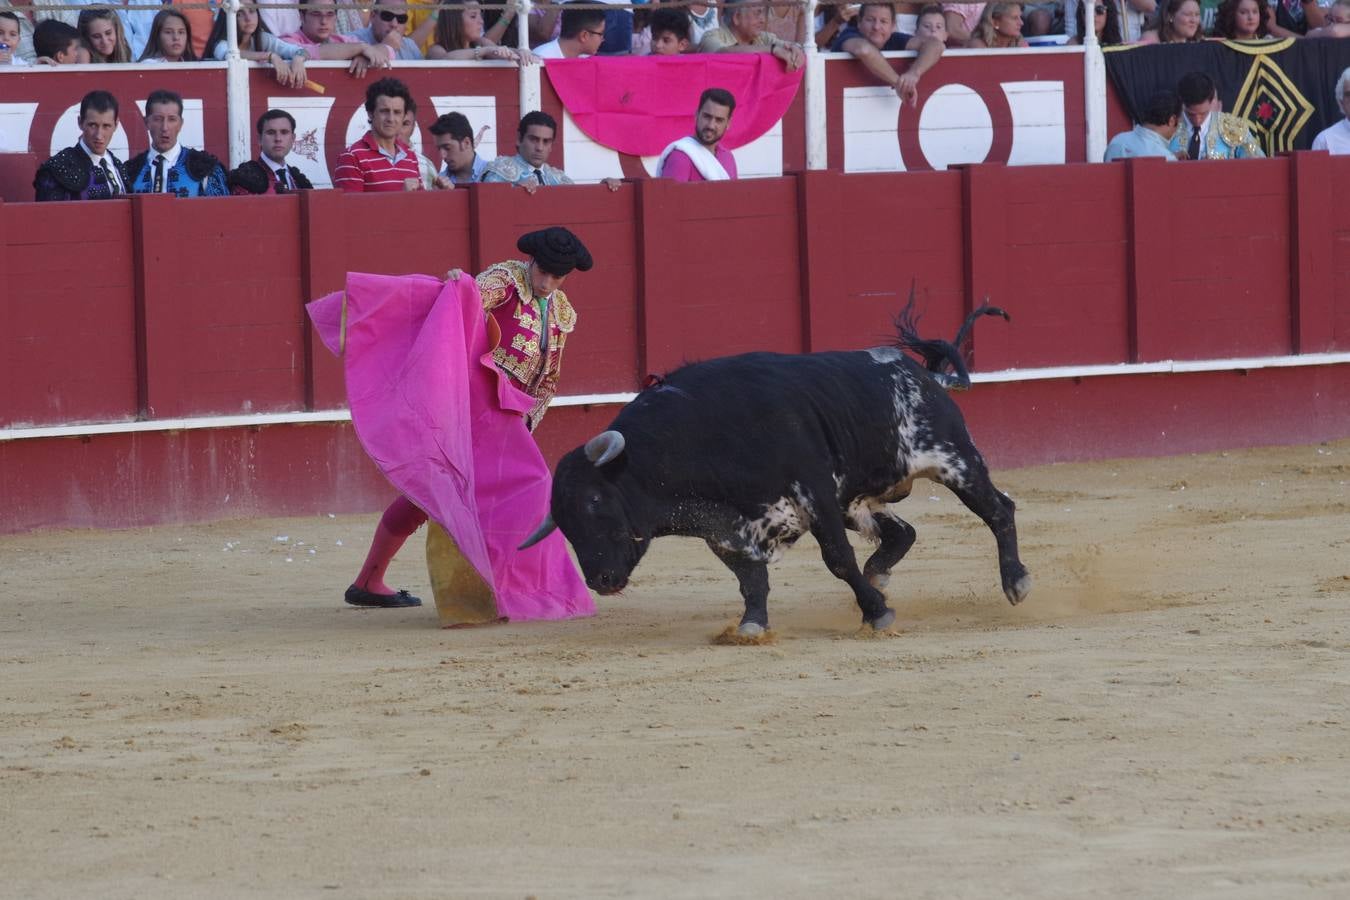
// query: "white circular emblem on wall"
[[955, 127]]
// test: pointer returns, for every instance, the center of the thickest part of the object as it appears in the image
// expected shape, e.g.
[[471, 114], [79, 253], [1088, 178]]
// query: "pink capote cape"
[[639, 104], [447, 428]]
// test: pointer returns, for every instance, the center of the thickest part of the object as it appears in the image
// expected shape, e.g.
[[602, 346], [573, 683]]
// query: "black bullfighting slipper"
[[358, 596]]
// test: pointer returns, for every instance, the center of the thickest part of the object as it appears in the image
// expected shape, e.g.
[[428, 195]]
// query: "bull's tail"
[[937, 354]]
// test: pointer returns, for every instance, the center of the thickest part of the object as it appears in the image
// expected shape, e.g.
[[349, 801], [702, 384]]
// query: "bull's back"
[[775, 415]]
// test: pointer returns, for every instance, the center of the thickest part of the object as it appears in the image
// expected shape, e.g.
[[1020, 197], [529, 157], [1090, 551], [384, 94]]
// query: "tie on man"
[[108, 177], [539, 175], [159, 174], [1193, 145], [282, 184]]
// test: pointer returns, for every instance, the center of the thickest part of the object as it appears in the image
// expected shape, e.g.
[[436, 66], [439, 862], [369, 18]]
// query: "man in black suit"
[[270, 173], [87, 171]]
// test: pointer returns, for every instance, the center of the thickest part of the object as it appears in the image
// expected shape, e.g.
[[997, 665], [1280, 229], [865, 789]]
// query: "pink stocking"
[[401, 519]]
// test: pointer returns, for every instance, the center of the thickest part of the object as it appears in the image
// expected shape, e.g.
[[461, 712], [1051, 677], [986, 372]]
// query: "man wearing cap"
[[525, 301]]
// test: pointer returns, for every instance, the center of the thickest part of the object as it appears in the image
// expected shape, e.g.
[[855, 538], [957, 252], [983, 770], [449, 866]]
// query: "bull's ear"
[[604, 447]]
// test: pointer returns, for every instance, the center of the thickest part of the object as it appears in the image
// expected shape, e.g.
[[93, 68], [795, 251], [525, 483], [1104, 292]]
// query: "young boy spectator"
[[58, 44], [670, 32], [11, 37], [932, 24]]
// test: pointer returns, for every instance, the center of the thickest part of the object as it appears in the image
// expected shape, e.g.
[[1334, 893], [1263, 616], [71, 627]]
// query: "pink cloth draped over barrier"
[[639, 104], [447, 428]]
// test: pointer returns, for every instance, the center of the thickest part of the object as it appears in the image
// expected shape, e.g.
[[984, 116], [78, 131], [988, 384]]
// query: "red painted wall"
[[190, 308]]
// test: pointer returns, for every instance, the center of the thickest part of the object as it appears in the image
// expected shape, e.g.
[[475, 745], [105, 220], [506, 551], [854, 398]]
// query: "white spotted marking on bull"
[[919, 455], [778, 527], [862, 513]]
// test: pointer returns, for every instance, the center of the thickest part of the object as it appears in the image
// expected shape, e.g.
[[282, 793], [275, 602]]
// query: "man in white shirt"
[[87, 171], [1336, 139], [270, 173], [583, 31]]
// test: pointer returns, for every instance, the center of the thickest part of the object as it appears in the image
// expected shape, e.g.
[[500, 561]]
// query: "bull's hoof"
[[1019, 590], [750, 630], [879, 580], [883, 621]]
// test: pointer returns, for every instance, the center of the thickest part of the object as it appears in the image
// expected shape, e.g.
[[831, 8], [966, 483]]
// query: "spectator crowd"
[[62, 32], [80, 32]]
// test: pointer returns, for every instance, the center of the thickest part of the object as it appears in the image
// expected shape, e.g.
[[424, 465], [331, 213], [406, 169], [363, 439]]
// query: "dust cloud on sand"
[[192, 711]]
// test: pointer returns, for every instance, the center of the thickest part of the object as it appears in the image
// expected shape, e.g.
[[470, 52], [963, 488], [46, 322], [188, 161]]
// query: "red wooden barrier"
[[161, 308], [68, 317]]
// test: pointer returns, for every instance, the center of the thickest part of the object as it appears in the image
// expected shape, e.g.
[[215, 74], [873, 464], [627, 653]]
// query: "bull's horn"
[[605, 446], [545, 528]]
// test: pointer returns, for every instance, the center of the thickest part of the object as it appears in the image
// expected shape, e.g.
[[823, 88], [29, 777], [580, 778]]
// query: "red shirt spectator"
[[365, 167], [380, 161]]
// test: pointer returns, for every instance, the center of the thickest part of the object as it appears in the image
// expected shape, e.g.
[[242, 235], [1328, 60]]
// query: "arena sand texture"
[[192, 712]]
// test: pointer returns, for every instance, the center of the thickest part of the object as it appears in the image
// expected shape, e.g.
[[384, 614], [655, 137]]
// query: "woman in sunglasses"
[[1105, 24], [1132, 16], [389, 26]]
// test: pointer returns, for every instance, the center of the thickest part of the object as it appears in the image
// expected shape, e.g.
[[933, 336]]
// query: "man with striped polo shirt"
[[380, 161]]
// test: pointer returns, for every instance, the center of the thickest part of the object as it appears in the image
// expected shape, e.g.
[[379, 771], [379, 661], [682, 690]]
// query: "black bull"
[[749, 452]]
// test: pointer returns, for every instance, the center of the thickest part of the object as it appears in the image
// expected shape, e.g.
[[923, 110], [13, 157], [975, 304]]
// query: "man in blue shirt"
[[389, 26], [454, 140], [1158, 122], [874, 33]]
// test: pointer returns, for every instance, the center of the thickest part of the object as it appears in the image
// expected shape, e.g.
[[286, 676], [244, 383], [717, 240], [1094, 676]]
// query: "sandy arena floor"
[[192, 712]]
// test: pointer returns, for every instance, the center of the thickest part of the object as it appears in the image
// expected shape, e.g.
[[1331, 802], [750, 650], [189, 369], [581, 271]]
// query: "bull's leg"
[[838, 555], [753, 576], [897, 536], [980, 496]]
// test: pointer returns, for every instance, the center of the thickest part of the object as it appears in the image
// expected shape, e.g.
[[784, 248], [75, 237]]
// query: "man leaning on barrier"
[[743, 31], [873, 32]]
